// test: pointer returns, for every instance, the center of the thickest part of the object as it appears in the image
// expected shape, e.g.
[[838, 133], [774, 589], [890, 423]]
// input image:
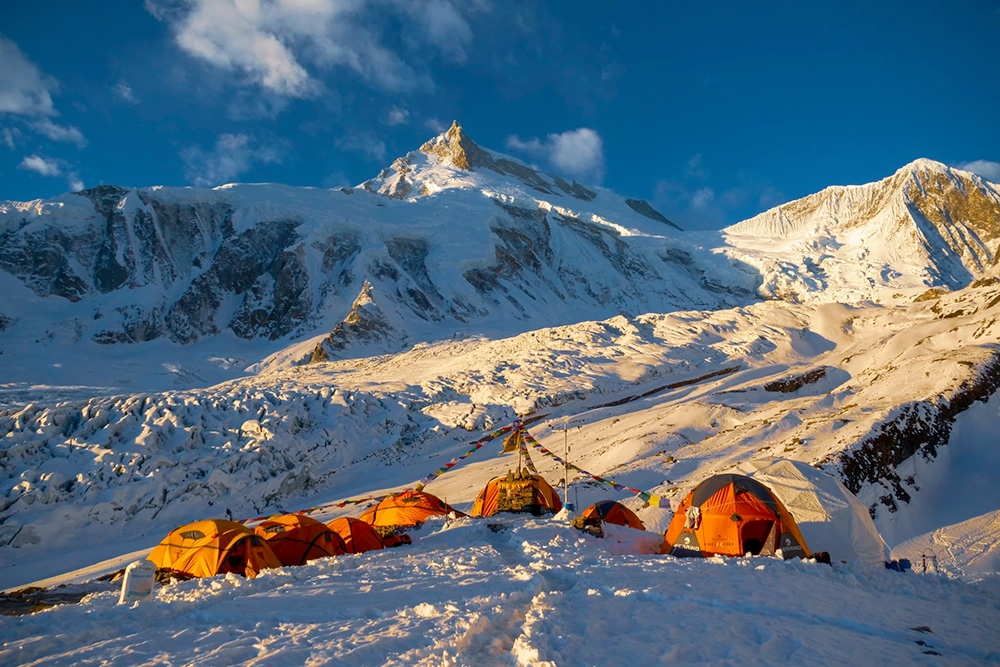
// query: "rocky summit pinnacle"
[[456, 147]]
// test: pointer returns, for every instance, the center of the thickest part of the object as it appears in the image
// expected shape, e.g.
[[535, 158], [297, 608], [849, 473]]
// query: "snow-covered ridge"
[[497, 246], [926, 225]]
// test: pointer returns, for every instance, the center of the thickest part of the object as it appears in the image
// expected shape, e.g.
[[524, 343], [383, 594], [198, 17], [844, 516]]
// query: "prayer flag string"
[[652, 499]]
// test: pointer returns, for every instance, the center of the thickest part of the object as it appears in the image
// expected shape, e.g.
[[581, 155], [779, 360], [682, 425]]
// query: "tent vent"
[[193, 535]]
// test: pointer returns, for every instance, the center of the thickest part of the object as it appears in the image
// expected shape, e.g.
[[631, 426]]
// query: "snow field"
[[536, 592]]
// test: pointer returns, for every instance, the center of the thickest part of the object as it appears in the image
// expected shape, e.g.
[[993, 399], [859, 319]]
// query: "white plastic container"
[[138, 582]]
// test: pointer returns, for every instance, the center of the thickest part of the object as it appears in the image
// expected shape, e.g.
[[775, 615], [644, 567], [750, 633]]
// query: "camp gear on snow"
[[211, 547], [736, 515], [589, 524], [519, 491], [358, 535], [138, 582], [396, 540], [295, 538], [610, 511]]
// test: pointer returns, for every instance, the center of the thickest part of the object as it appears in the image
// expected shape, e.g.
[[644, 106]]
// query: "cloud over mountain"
[[232, 155], [576, 153]]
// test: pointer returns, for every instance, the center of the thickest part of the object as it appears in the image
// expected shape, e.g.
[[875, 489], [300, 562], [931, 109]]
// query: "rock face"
[[366, 324]]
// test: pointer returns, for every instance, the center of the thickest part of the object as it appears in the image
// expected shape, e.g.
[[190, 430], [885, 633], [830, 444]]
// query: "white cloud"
[[435, 125], [397, 116], [24, 90], [124, 92], [577, 153], [985, 168], [232, 155], [10, 137], [52, 167], [695, 167], [281, 45], [443, 26], [55, 132], [366, 144], [40, 165], [702, 198]]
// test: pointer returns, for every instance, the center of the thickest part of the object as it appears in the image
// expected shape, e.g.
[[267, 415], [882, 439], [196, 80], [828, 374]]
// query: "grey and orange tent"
[[610, 511], [733, 515], [210, 547], [295, 538], [405, 510], [358, 535], [519, 491]]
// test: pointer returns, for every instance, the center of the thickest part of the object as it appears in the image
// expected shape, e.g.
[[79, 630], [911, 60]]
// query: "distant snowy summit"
[[927, 225], [448, 159]]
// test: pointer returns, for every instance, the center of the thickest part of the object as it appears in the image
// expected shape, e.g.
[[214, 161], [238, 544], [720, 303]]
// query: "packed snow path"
[[526, 592]]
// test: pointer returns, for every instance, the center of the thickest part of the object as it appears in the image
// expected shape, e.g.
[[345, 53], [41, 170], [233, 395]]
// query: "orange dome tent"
[[610, 511], [732, 515], [214, 546], [517, 492], [401, 511], [295, 539], [358, 536]]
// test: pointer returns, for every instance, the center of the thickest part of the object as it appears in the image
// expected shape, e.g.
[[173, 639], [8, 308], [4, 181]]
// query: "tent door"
[[754, 537], [236, 559]]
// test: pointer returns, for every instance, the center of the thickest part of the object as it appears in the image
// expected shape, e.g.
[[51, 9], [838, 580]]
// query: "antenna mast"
[[566, 502]]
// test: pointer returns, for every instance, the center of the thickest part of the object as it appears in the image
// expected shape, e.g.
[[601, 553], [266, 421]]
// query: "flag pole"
[[566, 502]]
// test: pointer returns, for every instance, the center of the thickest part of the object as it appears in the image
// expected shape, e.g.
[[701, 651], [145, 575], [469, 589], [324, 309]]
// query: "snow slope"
[[658, 402]]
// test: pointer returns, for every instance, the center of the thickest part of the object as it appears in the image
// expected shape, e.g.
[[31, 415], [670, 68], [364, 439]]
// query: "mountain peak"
[[455, 147], [924, 165]]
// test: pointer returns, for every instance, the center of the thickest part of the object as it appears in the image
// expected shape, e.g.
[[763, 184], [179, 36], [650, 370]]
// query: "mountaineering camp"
[[770, 507]]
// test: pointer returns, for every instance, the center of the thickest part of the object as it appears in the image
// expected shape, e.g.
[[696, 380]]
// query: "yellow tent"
[[214, 546], [732, 515], [405, 510], [295, 538], [517, 492]]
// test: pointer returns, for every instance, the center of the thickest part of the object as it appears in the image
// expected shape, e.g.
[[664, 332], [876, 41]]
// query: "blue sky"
[[712, 112]]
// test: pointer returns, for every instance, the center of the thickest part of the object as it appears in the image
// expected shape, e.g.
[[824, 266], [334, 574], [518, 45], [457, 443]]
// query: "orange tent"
[[517, 492], [214, 546], [295, 539], [358, 536], [732, 515], [610, 511], [408, 509]]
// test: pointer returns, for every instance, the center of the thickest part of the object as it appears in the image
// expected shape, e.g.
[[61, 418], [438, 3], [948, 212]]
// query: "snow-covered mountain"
[[927, 225], [857, 330], [451, 238]]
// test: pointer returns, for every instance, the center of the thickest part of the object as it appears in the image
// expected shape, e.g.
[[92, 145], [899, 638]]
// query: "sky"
[[712, 112]]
